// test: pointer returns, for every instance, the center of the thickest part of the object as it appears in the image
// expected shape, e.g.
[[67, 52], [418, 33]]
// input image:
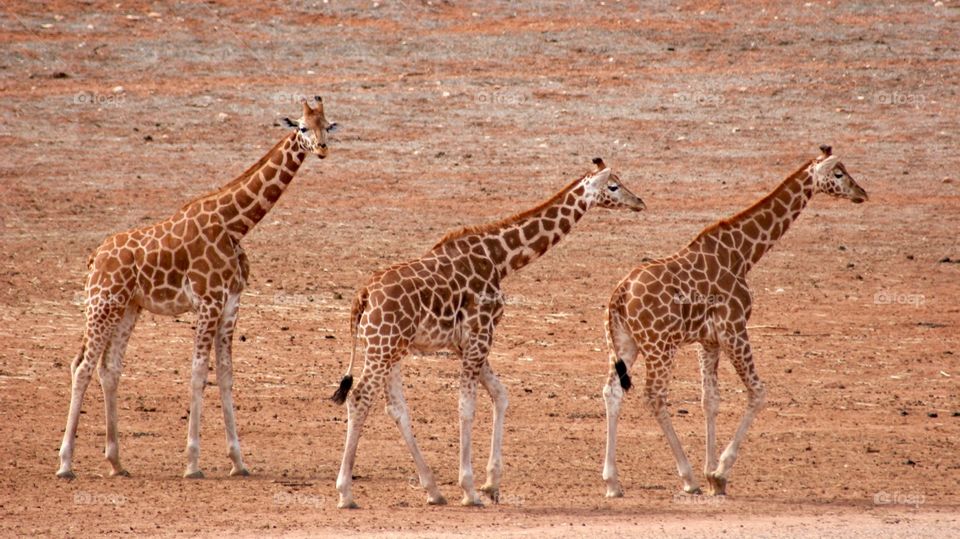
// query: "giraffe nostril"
[[323, 146]]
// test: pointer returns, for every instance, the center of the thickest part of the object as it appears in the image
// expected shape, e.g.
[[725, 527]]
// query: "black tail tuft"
[[340, 396], [625, 382]]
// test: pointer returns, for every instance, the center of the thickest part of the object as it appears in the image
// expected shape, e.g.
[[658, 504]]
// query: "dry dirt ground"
[[114, 114]]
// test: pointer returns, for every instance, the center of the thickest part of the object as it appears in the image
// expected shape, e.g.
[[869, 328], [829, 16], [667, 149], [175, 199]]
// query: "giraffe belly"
[[167, 305], [434, 337]]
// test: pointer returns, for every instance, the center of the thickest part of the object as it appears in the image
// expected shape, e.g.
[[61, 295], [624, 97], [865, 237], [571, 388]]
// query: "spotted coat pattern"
[[192, 261], [450, 299], [700, 295]]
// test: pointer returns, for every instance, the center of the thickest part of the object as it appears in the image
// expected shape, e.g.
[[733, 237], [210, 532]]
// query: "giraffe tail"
[[619, 365], [356, 312]]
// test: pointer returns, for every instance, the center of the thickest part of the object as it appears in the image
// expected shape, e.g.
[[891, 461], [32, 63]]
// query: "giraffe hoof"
[[492, 492], [242, 472], [717, 484], [66, 474], [350, 504], [120, 473], [193, 475], [471, 501], [614, 492], [693, 490], [436, 500]]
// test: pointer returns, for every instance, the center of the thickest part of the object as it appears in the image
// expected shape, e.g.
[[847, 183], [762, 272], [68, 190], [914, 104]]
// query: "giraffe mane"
[[727, 222], [507, 221], [242, 177]]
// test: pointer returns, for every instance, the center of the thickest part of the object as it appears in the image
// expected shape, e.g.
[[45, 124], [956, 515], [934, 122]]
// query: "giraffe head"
[[832, 177], [607, 192], [312, 128]]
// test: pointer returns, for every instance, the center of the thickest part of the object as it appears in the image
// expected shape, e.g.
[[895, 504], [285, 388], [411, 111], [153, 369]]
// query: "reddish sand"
[[113, 115]]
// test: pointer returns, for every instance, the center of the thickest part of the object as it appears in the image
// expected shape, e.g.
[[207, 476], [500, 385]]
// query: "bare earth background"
[[114, 114]]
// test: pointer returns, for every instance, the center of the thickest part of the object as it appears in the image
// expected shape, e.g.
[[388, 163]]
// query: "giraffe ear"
[[827, 164], [289, 123], [600, 177]]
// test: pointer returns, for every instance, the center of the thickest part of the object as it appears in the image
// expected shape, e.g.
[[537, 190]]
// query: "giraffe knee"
[[758, 397], [396, 412], [467, 408]]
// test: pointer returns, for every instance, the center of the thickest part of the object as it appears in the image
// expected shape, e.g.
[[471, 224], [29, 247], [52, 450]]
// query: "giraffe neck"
[[517, 241], [243, 202], [742, 240]]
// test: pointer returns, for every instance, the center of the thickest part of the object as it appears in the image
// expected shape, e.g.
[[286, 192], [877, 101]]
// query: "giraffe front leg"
[[397, 409], [742, 356], [224, 353], [495, 465], [207, 317]]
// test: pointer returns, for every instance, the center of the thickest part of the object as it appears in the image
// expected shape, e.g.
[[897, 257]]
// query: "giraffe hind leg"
[[109, 372], [102, 318], [365, 393], [623, 349], [659, 366], [397, 409], [495, 465]]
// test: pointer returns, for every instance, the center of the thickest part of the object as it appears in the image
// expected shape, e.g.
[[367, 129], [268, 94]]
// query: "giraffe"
[[191, 261], [450, 298], [700, 295]]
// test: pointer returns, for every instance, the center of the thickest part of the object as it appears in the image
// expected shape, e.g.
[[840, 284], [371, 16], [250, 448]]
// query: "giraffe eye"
[[838, 174], [303, 129], [613, 188]]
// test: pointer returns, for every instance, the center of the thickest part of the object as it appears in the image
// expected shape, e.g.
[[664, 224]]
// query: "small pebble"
[[931, 414]]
